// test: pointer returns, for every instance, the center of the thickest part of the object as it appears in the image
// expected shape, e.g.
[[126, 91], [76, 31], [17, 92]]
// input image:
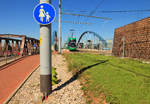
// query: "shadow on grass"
[[75, 76], [136, 73]]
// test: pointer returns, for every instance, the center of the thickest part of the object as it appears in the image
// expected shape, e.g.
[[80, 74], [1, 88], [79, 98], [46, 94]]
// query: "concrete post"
[[45, 57]]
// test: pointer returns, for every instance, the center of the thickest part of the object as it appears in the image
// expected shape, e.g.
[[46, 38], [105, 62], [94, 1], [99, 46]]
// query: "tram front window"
[[73, 45]]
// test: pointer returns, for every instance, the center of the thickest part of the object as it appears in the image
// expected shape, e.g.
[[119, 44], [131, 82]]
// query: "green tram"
[[72, 44]]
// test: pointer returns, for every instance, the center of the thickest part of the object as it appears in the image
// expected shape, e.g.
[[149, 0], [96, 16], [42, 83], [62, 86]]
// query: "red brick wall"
[[136, 40]]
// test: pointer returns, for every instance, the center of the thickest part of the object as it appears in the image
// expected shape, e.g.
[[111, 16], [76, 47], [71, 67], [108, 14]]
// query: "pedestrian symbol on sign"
[[47, 17], [44, 13]]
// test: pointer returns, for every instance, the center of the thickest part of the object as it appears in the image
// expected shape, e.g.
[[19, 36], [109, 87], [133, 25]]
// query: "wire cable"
[[92, 12], [115, 11], [125, 11]]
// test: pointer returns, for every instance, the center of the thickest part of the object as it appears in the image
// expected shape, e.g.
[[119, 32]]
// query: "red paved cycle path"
[[12, 76]]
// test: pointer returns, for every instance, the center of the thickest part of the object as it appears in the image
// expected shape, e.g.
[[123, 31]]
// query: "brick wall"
[[134, 39]]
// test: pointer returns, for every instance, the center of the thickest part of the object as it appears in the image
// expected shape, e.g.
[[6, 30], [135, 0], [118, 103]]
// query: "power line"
[[105, 18], [114, 11], [124, 11], [73, 22], [92, 12], [76, 22]]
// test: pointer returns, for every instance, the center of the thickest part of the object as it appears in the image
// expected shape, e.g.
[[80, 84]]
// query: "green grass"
[[123, 81], [54, 76]]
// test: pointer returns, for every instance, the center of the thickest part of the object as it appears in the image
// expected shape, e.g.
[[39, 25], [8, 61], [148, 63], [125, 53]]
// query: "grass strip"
[[119, 81]]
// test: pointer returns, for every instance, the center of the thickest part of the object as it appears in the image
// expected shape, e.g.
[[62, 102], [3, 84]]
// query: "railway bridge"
[[11, 44]]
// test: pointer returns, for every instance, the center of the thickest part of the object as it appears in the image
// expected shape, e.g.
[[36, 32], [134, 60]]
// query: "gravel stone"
[[67, 91]]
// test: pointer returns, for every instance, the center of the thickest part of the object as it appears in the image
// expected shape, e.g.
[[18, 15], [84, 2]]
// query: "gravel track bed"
[[67, 91]]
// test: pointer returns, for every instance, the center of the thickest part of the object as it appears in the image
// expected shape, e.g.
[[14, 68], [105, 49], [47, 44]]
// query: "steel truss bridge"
[[11, 44]]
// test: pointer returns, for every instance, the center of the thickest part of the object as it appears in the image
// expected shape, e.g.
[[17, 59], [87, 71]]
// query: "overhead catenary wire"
[[124, 11], [89, 16], [114, 11], [93, 11], [105, 18], [76, 22]]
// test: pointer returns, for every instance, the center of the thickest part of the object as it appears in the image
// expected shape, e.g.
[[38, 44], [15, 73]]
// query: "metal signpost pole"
[[59, 30], [45, 57], [123, 46]]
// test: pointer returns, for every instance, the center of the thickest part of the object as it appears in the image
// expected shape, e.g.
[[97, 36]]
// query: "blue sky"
[[16, 16]]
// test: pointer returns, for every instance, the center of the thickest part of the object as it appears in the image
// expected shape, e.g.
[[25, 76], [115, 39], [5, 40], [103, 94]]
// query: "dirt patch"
[[90, 96]]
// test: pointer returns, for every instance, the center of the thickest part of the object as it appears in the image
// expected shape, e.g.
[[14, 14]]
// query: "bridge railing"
[[17, 46]]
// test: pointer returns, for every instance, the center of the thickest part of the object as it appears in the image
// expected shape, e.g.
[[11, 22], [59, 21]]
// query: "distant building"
[[133, 40], [109, 44]]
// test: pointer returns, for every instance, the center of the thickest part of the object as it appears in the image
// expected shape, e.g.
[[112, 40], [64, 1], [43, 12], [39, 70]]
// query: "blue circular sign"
[[44, 13]]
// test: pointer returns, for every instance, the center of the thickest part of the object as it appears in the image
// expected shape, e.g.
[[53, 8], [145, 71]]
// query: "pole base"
[[46, 84]]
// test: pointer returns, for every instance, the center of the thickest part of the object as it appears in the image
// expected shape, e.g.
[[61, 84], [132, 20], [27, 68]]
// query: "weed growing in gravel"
[[54, 76]]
